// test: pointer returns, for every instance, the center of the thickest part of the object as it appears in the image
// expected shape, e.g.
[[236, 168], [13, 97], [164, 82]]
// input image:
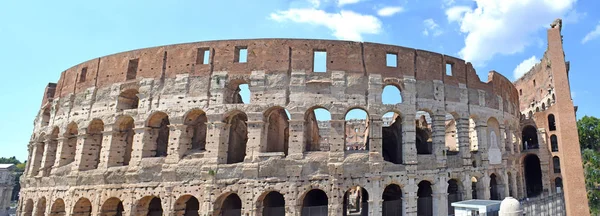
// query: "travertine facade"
[[7, 182], [164, 130]]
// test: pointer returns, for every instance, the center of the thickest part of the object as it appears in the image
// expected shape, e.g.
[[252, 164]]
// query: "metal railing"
[[553, 204], [273, 211], [315, 211], [392, 208]]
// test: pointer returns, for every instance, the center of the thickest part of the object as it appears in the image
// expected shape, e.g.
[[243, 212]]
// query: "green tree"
[[589, 133]]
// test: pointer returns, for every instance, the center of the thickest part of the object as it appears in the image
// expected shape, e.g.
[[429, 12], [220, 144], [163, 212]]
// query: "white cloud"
[[345, 2], [592, 35], [315, 3], [389, 11], [346, 25], [431, 28], [524, 67], [504, 26]]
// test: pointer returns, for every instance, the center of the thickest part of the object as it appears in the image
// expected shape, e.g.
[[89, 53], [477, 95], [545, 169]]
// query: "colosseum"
[[168, 131]]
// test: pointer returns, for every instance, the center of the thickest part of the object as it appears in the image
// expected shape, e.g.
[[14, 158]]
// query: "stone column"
[[49, 156], [440, 195], [36, 158], [467, 185], [485, 190], [503, 139], [62, 141], [256, 139], [142, 142], [109, 152], [217, 141], [462, 128], [80, 151], [438, 136], [375, 139], [506, 185], [337, 140], [409, 198], [482, 141], [179, 143], [296, 136], [409, 149]]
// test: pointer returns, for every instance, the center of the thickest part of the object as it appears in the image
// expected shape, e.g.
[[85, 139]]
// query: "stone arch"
[[196, 128], [83, 207], [391, 94], [28, 208], [392, 137], [530, 138], [36, 164], [128, 99], [454, 193], [558, 184], [271, 203], [149, 205], [530, 114], [238, 136], [158, 141], [316, 129], [356, 127], [45, 121], [424, 198], [533, 175], [356, 201], [51, 151], [234, 91], [90, 157], [551, 123], [187, 205], [228, 204], [69, 147], [40, 209], [556, 164], [495, 188], [112, 207], [392, 201], [475, 187], [543, 106], [58, 208], [277, 130], [451, 135], [553, 143], [494, 146], [423, 141], [315, 202], [122, 141]]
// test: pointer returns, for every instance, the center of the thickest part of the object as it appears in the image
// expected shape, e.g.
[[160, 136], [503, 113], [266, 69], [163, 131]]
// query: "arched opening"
[[392, 137], [316, 129], [90, 157], [149, 205], [423, 133], [187, 205], [238, 137], [494, 188], [554, 143], [40, 209], [155, 207], [158, 128], [237, 92], [530, 139], [69, 147], [83, 207], [356, 201], [357, 130], [273, 204], [493, 131], [474, 188], [530, 114], [451, 135], [128, 99], [454, 194], [196, 128], [51, 147], [277, 129], [424, 199], [537, 109], [112, 207], [556, 164], [543, 106], [230, 206], [391, 95], [58, 208], [392, 201], [28, 208], [533, 175], [315, 203], [123, 140], [553, 98], [46, 116], [558, 184], [551, 123], [36, 165]]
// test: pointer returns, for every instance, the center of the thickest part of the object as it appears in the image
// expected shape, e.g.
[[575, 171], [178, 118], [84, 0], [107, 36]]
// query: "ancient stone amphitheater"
[[165, 131]]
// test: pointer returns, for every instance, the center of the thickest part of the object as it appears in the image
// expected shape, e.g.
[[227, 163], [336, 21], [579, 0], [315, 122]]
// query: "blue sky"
[[39, 39]]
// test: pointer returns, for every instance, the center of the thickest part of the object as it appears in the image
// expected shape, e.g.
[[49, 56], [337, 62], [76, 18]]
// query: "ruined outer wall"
[[551, 94], [279, 73]]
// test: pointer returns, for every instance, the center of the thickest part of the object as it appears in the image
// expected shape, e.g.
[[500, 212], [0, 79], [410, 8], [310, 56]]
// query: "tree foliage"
[[20, 167], [589, 133], [589, 140]]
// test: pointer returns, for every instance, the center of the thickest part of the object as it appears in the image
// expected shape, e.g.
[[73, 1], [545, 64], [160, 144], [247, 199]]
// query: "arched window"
[[273, 203], [187, 205], [58, 208], [454, 194], [90, 157], [451, 137], [558, 184], [392, 200], [69, 147], [424, 199], [277, 127], [315, 201], [530, 140], [543, 106], [158, 125], [316, 129], [554, 143], [392, 137], [556, 164], [231, 204], [123, 136], [391, 95], [82, 207], [195, 121], [128, 99], [356, 201], [41, 207], [424, 133], [46, 116], [238, 136], [551, 123], [112, 206], [473, 140], [356, 130], [237, 92]]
